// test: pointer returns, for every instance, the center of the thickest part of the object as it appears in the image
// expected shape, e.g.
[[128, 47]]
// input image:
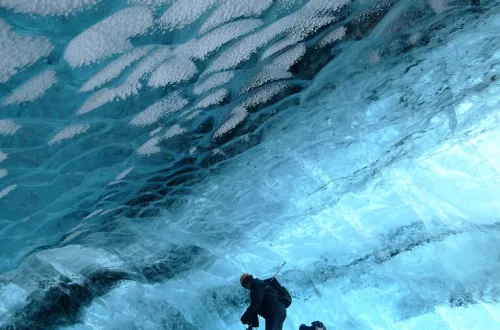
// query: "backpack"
[[283, 295]]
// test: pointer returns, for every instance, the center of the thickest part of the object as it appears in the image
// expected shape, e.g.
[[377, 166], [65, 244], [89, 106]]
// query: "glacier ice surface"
[[153, 150]]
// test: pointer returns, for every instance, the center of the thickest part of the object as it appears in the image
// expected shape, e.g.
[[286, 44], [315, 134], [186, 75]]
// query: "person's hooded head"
[[246, 281]]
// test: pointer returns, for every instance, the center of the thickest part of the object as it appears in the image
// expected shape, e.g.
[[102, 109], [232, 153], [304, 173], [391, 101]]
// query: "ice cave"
[[152, 151]]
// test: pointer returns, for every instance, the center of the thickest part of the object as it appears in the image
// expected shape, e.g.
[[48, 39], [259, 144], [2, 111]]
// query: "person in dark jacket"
[[316, 325], [265, 302]]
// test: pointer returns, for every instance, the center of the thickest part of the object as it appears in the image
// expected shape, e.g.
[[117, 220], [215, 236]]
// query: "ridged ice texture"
[[33, 89], [151, 151], [229, 10], [19, 51], [109, 37], [48, 7]]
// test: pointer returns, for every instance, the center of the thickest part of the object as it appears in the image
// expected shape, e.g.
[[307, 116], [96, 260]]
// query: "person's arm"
[[257, 296]]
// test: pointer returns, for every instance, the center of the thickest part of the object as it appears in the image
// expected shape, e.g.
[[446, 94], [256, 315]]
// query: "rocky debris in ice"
[[278, 69], [8, 127], [230, 10], [3, 156], [3, 173], [7, 190], [108, 37], [264, 94], [33, 89], [213, 41], [213, 81], [48, 7], [130, 87], [156, 111], [155, 131], [115, 68], [238, 115], [297, 26], [173, 71], [215, 98], [18, 51], [333, 36], [184, 12], [69, 132]]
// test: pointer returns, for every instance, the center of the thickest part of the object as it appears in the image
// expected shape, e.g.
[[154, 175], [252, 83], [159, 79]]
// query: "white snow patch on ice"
[[155, 131], [238, 115], [33, 89], [150, 147], [173, 71], [266, 76], [232, 9], [130, 87], [334, 35], [264, 94], [211, 42], [8, 127], [115, 68], [156, 111], [108, 37], [193, 115], [278, 68], [3, 156], [18, 51], [151, 3], [48, 7], [298, 25], [7, 190], [184, 12], [174, 131], [212, 99], [298, 33], [93, 214], [3, 173], [213, 81], [124, 173], [69, 132]]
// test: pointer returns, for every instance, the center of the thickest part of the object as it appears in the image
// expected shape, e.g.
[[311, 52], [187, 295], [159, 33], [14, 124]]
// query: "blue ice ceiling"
[[153, 150]]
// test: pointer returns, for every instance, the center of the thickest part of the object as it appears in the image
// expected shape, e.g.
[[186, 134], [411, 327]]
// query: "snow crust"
[[33, 89], [114, 69], [355, 140], [229, 10], [48, 7], [108, 37], [69, 132], [19, 51]]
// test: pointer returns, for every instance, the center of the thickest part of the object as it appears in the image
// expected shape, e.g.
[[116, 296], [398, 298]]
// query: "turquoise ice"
[[151, 151]]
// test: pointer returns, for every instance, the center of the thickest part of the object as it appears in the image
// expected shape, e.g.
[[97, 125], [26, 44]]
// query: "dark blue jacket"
[[263, 302]]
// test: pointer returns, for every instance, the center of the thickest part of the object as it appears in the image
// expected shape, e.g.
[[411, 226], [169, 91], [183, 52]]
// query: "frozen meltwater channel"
[[151, 151]]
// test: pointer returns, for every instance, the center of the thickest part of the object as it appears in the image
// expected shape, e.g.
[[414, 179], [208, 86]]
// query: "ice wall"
[[152, 153]]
